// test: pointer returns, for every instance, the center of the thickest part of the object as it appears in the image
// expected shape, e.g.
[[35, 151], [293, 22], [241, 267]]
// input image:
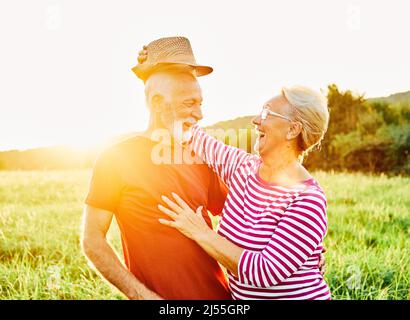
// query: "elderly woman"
[[271, 233]]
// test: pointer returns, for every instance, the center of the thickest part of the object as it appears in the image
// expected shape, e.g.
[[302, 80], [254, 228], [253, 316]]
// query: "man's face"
[[184, 107]]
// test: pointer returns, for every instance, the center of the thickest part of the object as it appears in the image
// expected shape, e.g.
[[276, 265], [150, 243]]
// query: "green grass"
[[40, 215]]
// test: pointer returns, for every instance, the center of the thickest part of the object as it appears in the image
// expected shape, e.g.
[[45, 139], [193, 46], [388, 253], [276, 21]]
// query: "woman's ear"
[[294, 130]]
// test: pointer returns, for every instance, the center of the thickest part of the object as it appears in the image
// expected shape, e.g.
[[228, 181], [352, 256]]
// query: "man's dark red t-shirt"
[[126, 182]]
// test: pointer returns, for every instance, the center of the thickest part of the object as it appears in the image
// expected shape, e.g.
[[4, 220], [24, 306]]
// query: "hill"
[[393, 98], [237, 123]]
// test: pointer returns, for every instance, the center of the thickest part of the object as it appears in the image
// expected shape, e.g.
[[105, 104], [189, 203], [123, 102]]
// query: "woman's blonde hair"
[[308, 107]]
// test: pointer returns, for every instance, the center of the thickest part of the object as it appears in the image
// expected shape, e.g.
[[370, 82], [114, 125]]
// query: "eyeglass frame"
[[266, 111]]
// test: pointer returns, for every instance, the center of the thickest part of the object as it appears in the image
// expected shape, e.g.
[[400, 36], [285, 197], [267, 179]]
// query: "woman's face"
[[274, 130]]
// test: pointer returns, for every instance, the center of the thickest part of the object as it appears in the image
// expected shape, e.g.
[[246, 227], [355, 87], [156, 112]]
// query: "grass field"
[[40, 213]]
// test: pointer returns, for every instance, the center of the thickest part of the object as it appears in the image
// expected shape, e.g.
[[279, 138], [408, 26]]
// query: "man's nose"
[[197, 113]]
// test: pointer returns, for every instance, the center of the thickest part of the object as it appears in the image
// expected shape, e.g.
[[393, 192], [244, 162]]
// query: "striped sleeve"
[[221, 158], [298, 234]]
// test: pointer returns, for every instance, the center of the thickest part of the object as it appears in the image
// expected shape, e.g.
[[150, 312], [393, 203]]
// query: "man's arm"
[[96, 223]]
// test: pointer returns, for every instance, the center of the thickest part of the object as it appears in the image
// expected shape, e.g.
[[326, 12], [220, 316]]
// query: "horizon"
[[66, 69]]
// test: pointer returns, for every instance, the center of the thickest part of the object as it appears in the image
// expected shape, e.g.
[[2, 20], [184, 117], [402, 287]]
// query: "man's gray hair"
[[163, 80]]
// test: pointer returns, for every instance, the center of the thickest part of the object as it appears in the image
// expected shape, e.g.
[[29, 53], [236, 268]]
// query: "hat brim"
[[143, 71]]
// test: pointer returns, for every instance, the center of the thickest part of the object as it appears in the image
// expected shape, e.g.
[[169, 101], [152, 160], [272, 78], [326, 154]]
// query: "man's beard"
[[178, 133]]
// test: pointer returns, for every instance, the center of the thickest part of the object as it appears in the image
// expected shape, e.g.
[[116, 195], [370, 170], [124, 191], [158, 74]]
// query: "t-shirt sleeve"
[[217, 194], [105, 185]]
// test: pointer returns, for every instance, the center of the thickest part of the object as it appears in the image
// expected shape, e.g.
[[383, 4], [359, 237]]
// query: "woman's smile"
[[260, 133], [260, 140]]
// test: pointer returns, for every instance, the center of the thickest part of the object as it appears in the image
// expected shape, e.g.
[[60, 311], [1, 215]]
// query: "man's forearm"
[[103, 257]]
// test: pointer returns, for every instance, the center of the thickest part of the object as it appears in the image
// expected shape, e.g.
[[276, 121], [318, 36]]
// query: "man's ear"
[[294, 130], [157, 103]]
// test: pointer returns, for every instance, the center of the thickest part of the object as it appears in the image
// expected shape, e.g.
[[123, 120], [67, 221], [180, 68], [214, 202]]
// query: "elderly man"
[[128, 182]]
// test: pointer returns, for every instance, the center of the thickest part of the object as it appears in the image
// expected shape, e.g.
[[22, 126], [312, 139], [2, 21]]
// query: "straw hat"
[[167, 51]]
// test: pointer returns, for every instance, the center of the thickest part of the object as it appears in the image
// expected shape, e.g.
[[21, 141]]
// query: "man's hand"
[[147, 295], [322, 262]]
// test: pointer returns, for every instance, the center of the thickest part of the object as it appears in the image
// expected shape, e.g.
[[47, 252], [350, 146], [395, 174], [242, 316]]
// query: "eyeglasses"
[[265, 112]]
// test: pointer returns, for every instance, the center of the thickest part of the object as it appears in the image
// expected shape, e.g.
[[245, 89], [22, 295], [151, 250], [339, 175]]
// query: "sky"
[[65, 66]]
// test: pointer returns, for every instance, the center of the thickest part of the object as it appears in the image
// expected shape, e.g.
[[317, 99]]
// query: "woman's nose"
[[256, 120]]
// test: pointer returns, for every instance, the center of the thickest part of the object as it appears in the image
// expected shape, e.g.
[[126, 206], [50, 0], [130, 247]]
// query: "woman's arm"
[[297, 236], [223, 159], [221, 249], [193, 226]]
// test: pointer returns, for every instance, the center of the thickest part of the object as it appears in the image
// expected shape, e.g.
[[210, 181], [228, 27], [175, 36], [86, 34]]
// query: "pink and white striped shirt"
[[281, 229]]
